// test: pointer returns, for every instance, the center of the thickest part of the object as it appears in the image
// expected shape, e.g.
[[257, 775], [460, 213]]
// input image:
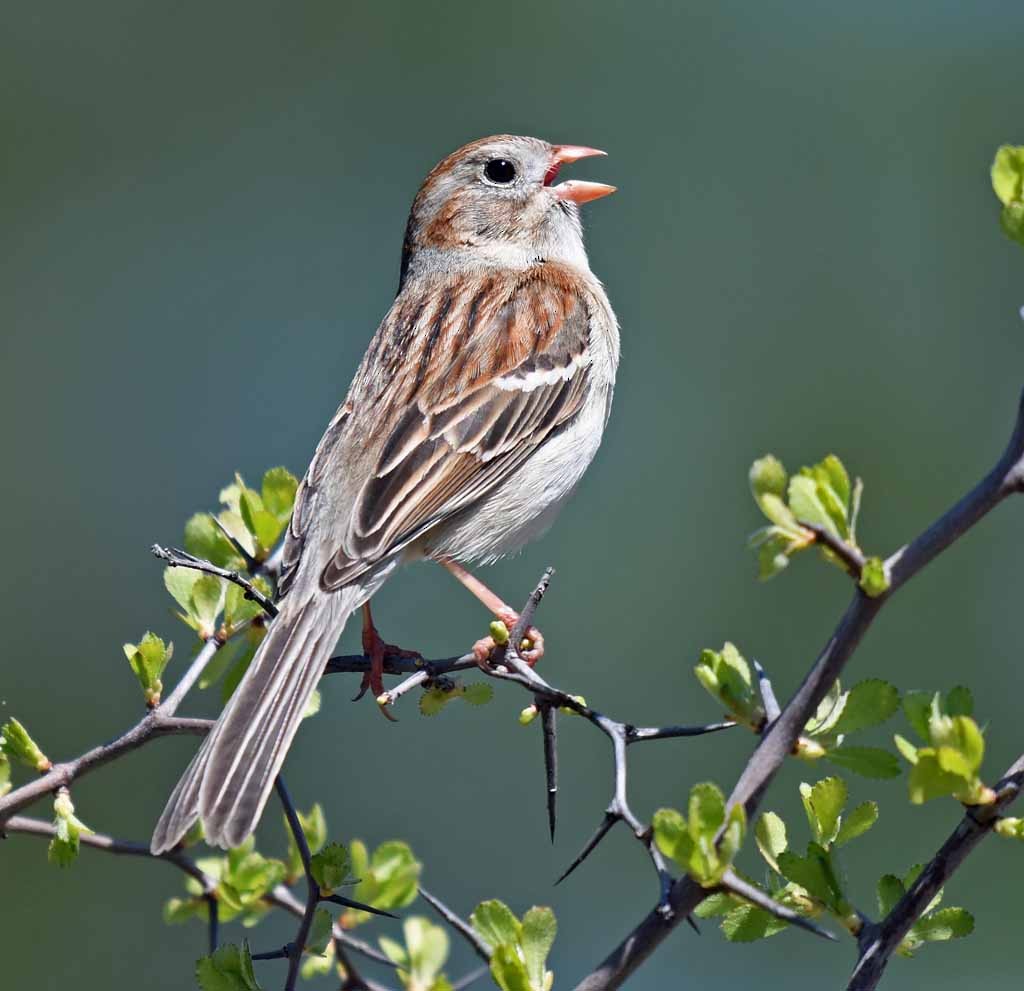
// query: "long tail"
[[230, 778]]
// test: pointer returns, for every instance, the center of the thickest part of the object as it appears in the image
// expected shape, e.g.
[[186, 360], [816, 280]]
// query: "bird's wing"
[[459, 386]]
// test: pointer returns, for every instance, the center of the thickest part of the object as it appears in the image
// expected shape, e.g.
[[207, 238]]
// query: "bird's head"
[[497, 199]]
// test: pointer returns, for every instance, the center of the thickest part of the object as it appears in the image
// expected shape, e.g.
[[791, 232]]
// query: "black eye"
[[500, 171]]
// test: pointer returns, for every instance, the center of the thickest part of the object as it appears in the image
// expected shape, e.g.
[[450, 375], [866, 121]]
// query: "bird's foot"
[[376, 649], [531, 649]]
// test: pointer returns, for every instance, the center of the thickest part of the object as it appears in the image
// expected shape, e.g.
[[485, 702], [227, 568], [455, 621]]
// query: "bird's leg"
[[376, 650], [482, 648]]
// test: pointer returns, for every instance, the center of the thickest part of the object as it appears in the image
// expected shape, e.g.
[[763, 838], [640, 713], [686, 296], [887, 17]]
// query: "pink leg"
[[501, 610], [376, 650]]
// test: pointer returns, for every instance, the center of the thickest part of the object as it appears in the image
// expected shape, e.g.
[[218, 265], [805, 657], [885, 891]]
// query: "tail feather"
[[230, 778]]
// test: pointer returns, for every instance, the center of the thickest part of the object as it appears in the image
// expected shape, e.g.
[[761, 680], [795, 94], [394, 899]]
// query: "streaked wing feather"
[[465, 425]]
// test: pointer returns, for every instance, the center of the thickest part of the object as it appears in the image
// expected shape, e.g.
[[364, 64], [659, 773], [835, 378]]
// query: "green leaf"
[[320, 932], [725, 675], [538, 936], [868, 703], [906, 748], [717, 903], [278, 492], [767, 477], [147, 659], [808, 505], [947, 923], [770, 836], [434, 699], [179, 582], [1011, 220], [508, 971], [869, 762], [264, 526], [917, 708], [857, 822], [812, 872], [890, 891], [961, 747], [227, 969], [18, 744], [1008, 174], [706, 810], [746, 923], [874, 580], [64, 846], [959, 702], [319, 964], [314, 827], [478, 693], [672, 836], [330, 867], [5, 773], [388, 880], [830, 708], [928, 780], [824, 803], [177, 910], [427, 950], [203, 539], [207, 600], [495, 924]]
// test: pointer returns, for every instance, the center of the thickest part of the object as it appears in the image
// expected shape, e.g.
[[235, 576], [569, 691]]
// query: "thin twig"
[[28, 826], [471, 978], [733, 883], [479, 945], [1006, 478], [878, 941], [154, 724], [182, 559], [851, 556]]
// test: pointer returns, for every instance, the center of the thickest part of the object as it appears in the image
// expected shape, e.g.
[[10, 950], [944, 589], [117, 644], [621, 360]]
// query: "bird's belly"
[[525, 506]]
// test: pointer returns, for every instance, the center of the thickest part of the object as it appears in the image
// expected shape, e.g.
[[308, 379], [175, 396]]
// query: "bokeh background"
[[202, 210]]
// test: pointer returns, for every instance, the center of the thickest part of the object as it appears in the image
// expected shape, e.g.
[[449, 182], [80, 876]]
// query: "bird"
[[479, 404]]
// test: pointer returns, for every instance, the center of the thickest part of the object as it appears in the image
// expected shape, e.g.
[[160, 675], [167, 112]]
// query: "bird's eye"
[[500, 171]]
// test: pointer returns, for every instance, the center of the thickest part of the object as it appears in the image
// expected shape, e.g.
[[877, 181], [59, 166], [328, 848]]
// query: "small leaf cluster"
[[68, 828], [388, 878], [690, 840], [725, 674], [811, 883], [934, 925], [519, 948], [441, 691], [820, 495], [243, 877], [148, 658], [421, 957], [16, 743], [950, 761], [227, 969], [1008, 185], [839, 714]]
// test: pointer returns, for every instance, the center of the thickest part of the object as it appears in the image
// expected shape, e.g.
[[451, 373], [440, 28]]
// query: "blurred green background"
[[202, 207]]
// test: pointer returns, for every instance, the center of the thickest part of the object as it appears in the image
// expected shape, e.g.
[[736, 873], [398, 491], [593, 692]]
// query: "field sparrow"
[[479, 404]]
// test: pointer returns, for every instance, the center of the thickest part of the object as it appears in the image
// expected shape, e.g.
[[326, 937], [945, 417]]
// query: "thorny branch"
[[678, 898], [877, 941], [1006, 478]]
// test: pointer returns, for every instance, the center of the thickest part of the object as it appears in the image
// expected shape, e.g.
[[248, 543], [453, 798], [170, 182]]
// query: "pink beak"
[[575, 190]]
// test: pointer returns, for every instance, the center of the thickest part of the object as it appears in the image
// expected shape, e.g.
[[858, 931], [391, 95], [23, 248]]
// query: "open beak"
[[575, 190]]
